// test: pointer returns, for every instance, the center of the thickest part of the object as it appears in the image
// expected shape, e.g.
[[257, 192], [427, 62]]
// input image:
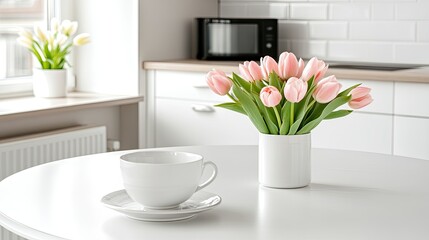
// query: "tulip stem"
[[232, 98], [279, 121], [310, 105], [291, 113]]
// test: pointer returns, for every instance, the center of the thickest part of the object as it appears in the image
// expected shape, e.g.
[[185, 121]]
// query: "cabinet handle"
[[202, 108], [200, 86]]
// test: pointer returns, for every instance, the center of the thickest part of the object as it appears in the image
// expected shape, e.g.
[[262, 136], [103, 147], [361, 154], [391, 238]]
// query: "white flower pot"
[[284, 160], [49, 83]]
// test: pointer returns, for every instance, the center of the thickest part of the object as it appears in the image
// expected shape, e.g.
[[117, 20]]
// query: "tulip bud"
[[25, 34], [73, 28], [268, 65], [218, 82], [250, 71], [270, 96], [295, 89], [360, 97], [40, 34], [65, 27], [25, 42], [61, 39], [50, 39], [322, 69], [55, 25], [316, 68], [288, 66], [69, 28], [327, 89], [301, 66], [81, 39]]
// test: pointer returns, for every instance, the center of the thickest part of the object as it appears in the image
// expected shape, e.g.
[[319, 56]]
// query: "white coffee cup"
[[163, 179]]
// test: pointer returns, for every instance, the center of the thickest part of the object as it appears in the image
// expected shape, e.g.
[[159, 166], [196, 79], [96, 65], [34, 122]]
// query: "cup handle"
[[212, 177]]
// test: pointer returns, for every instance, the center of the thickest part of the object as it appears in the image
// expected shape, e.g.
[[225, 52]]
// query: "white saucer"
[[199, 202]]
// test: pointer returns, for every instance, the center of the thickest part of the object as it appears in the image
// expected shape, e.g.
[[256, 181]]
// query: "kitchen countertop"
[[419, 74]]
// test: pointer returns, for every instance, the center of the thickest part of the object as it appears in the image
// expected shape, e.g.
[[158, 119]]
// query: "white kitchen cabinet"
[[411, 99], [358, 131], [183, 122], [411, 137], [184, 85], [381, 92], [180, 112], [411, 122]]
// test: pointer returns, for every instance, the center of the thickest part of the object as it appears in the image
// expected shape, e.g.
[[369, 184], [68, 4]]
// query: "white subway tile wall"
[[423, 31], [395, 31]]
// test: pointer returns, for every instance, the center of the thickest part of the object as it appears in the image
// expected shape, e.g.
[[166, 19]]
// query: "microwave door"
[[219, 39], [232, 39]]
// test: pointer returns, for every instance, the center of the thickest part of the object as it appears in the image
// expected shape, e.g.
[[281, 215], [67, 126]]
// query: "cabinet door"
[[358, 131], [411, 99], [411, 137], [184, 85], [382, 93], [182, 122]]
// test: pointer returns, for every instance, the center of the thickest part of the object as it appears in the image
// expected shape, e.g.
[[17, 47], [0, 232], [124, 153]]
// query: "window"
[[16, 62]]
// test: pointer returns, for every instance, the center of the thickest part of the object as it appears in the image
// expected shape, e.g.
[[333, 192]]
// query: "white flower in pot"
[[51, 48]]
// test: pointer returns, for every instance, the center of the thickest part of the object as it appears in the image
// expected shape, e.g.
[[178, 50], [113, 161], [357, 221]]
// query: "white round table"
[[353, 195]]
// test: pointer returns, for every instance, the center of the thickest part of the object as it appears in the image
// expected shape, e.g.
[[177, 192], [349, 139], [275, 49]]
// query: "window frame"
[[36, 8], [22, 86]]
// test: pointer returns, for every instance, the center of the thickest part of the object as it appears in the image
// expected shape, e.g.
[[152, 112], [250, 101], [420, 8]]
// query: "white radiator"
[[19, 153]]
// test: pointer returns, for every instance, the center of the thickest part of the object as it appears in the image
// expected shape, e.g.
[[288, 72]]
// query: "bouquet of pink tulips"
[[287, 97]]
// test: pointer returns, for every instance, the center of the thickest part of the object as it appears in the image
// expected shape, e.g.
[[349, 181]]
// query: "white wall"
[[109, 64], [166, 34], [165, 26], [394, 31]]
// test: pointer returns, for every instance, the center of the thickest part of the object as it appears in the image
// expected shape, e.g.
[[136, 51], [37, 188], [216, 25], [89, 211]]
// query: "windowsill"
[[11, 108]]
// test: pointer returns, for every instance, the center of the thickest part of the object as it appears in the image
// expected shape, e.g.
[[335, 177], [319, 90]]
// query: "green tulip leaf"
[[241, 82], [266, 113], [260, 85], [301, 110], [255, 87], [338, 114], [314, 113], [348, 90], [233, 107], [331, 106], [251, 109], [275, 81], [285, 114]]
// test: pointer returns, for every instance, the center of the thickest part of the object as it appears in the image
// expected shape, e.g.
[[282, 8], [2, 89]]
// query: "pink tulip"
[[316, 68], [326, 89], [288, 66], [269, 65], [250, 71], [360, 97], [270, 96], [218, 82], [295, 89], [301, 66]]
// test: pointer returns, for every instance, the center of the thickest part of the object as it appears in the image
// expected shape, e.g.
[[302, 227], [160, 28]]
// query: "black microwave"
[[235, 38]]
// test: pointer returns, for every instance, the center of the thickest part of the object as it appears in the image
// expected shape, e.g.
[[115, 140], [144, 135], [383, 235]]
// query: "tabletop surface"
[[353, 195]]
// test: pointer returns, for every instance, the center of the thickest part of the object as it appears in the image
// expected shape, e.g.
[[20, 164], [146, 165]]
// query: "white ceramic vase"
[[284, 160], [49, 83]]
